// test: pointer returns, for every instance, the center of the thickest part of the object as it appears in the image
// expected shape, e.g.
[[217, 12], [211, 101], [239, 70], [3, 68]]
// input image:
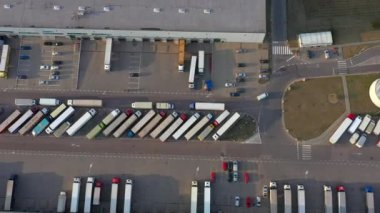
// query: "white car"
[[7, 6], [258, 201], [235, 166], [227, 85], [265, 190], [237, 201], [44, 67], [327, 54], [235, 177], [54, 53], [54, 68]]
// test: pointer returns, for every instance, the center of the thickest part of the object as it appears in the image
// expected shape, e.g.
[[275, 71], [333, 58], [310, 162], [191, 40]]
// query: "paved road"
[[279, 20]]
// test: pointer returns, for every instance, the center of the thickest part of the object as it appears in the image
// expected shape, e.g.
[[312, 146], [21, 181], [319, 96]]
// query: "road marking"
[[290, 58], [306, 152], [281, 50]]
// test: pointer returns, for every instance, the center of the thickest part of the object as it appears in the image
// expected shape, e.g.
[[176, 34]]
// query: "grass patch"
[[358, 90], [351, 51], [242, 130], [310, 107]]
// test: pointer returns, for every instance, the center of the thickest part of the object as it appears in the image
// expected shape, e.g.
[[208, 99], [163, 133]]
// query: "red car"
[[248, 202], [224, 166], [212, 177], [246, 177]]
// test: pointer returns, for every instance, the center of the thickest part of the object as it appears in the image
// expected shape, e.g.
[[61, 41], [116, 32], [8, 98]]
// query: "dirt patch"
[[371, 35], [242, 130], [358, 90], [308, 110], [351, 51]]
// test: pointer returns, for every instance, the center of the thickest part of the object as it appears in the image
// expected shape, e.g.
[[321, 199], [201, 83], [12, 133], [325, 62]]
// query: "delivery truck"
[[142, 105], [97, 190], [203, 135], [376, 131], [207, 106], [83, 120], [61, 129], [107, 55], [88, 195], [355, 124], [342, 128], [301, 199], [115, 124], [273, 197], [198, 126], [61, 205], [186, 126], [137, 127], [153, 123], [41, 126], [114, 193], [162, 126], [10, 119], [128, 196], [370, 127], [103, 124], [21, 121], [193, 66], [173, 127], [201, 62], [341, 199], [75, 195], [207, 197], [225, 127], [33, 121], [363, 125], [163, 105], [328, 199], [129, 122], [85, 102], [221, 118], [49, 102], [287, 199], [181, 55], [370, 201], [57, 111], [9, 194], [58, 121], [25, 102], [194, 197]]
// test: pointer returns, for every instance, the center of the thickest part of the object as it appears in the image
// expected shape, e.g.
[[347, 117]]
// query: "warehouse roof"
[[239, 16], [315, 39]]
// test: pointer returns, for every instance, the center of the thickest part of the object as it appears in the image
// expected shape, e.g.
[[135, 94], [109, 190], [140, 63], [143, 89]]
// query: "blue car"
[[24, 57], [25, 47]]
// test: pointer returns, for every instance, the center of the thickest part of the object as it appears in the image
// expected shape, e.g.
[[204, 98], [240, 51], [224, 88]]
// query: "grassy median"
[[311, 106]]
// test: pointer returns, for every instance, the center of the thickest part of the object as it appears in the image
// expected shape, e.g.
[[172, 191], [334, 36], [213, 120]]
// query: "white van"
[[262, 96], [361, 141]]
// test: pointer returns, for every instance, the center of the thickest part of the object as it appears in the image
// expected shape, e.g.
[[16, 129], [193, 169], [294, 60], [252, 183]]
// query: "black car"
[[58, 43], [22, 76], [230, 166], [25, 47], [57, 62], [239, 79], [234, 94], [264, 61], [48, 43], [239, 90], [134, 74], [55, 72], [229, 176], [241, 65]]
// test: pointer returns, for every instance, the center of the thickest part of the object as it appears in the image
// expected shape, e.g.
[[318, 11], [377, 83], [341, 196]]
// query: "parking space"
[[60, 59]]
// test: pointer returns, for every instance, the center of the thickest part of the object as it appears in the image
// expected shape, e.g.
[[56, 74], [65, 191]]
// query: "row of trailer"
[[359, 127], [161, 125], [206, 197], [328, 199]]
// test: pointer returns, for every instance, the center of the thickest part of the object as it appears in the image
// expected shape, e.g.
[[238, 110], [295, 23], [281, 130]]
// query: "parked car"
[[241, 64], [264, 70], [265, 190], [235, 176], [230, 165], [240, 90], [54, 53], [241, 50], [235, 165], [134, 74], [237, 201], [25, 47], [22, 76], [44, 67], [42, 82], [24, 57], [229, 177], [212, 177], [264, 76], [54, 67], [264, 61], [327, 54], [234, 94], [248, 202], [228, 84], [53, 77], [361, 141], [246, 177], [55, 72], [48, 43], [57, 62], [224, 166], [258, 201], [238, 80], [58, 43], [241, 75]]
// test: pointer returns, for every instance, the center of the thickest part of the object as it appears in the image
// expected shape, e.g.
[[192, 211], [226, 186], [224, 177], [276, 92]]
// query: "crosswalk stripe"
[[281, 50], [306, 152]]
